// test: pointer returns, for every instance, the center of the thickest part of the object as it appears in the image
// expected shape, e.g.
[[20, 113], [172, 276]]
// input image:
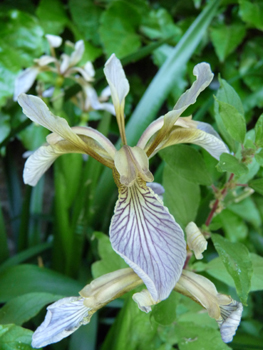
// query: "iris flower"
[[66, 315], [142, 230]]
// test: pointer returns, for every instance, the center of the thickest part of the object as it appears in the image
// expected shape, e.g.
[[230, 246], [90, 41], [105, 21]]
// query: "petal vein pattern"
[[146, 236]]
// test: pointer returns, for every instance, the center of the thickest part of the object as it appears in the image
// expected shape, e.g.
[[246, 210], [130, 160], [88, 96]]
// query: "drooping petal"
[[204, 76], [38, 163], [119, 86], [212, 144], [195, 240], [62, 319], [147, 237], [226, 311], [25, 80], [144, 300], [92, 100], [231, 316], [54, 40]]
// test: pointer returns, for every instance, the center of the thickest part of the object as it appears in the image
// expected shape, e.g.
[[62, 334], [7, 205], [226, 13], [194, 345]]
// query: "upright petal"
[[119, 86], [146, 236], [25, 80], [195, 240], [62, 319], [204, 76]]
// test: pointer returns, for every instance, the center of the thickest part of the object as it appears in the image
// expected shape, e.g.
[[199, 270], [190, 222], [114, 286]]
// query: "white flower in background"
[[142, 230], [66, 315], [66, 67]]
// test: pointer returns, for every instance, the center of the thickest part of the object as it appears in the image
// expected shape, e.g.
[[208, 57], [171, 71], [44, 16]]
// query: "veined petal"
[[231, 316], [54, 40], [119, 86], [214, 145], [25, 80], [204, 76], [62, 319], [146, 236]]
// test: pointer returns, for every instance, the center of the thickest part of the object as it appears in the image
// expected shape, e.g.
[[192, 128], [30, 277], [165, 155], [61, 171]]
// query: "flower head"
[[142, 230]]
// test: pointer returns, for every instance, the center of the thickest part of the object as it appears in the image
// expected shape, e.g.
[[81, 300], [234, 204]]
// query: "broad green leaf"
[[110, 260], [234, 122], [33, 136], [259, 157], [52, 16], [13, 337], [132, 329], [158, 91], [227, 94], [238, 263], [188, 163], [248, 211], [259, 131], [119, 24], [85, 337], [164, 313], [181, 196], [253, 169], [257, 185], [231, 164], [23, 279], [251, 13], [159, 24], [86, 15], [217, 269], [22, 308], [4, 124], [199, 337], [234, 226], [226, 38], [21, 34]]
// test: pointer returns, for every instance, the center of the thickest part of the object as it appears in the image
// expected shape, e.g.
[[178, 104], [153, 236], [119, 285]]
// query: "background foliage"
[[53, 238]]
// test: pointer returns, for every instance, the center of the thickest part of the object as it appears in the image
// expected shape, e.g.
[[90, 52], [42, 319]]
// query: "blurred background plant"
[[53, 237]]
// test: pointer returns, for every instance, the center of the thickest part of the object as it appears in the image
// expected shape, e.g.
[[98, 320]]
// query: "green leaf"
[[132, 329], [226, 38], [23, 279], [110, 260], [238, 263], [234, 226], [234, 122], [251, 13], [15, 338], [248, 211], [52, 16], [164, 313], [188, 163], [199, 337], [227, 94], [259, 131], [118, 29], [257, 185], [86, 15], [259, 157], [158, 91], [253, 169], [22, 308], [217, 269], [231, 164], [181, 196]]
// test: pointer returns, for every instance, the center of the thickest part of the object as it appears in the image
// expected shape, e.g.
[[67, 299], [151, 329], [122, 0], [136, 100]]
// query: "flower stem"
[[223, 193]]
